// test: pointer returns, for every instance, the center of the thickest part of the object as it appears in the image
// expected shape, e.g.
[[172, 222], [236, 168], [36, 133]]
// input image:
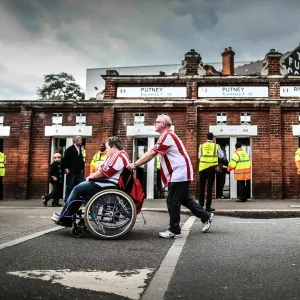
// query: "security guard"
[[209, 153], [98, 159], [2, 172], [241, 164]]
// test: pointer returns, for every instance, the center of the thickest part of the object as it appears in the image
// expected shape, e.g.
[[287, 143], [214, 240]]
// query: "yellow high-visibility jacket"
[[297, 160], [2, 164], [241, 164], [98, 159], [208, 154], [158, 162]]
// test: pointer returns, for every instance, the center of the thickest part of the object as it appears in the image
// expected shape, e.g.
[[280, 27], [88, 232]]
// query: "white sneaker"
[[169, 235], [55, 218], [207, 224]]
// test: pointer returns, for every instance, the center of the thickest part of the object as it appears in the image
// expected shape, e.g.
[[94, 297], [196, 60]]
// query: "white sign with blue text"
[[151, 92], [233, 91], [290, 91]]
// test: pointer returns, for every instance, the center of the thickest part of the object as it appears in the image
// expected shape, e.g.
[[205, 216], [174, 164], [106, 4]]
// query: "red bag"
[[132, 186]]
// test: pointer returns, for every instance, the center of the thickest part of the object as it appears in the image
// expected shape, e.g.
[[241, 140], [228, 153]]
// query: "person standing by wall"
[[176, 173], [73, 163], [56, 179], [98, 159], [240, 163], [209, 153], [2, 172], [221, 174]]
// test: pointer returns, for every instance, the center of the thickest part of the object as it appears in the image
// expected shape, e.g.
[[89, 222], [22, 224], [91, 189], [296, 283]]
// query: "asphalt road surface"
[[236, 259]]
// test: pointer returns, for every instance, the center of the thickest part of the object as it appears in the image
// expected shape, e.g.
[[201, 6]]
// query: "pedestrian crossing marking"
[[129, 283]]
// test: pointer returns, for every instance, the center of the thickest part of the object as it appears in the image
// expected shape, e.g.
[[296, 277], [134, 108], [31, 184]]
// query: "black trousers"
[[206, 179], [55, 194], [221, 176], [1, 187], [243, 189], [178, 194]]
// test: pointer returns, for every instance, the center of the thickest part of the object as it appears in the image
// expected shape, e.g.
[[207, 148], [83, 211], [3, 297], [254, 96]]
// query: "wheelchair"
[[109, 214]]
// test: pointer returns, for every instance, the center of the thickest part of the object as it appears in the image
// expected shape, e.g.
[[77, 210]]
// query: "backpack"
[[132, 186]]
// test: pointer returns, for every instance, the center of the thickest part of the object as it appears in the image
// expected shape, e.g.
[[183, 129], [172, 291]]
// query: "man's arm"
[[150, 154]]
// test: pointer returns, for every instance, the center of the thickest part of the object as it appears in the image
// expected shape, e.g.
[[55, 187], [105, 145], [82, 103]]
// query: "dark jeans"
[[72, 179], [85, 189], [221, 176], [243, 189], [178, 194], [206, 176], [55, 194], [1, 187]]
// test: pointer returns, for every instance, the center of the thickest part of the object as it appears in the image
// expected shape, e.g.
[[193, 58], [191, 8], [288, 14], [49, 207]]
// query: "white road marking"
[[128, 283], [160, 282], [28, 237], [252, 222], [39, 217]]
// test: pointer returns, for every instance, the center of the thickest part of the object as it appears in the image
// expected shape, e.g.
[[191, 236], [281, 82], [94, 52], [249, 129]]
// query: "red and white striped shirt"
[[175, 163], [113, 167]]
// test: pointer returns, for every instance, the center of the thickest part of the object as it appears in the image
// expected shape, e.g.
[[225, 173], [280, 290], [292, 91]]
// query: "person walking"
[[240, 163], [56, 179], [73, 163], [209, 153], [176, 173], [2, 172], [98, 159]]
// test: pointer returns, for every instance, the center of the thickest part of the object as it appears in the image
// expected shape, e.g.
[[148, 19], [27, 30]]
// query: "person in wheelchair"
[[106, 176]]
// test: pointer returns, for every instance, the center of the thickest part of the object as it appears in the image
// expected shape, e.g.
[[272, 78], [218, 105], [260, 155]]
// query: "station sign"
[[233, 130], [233, 92], [151, 92], [68, 130], [1, 119], [290, 91], [245, 119], [221, 118]]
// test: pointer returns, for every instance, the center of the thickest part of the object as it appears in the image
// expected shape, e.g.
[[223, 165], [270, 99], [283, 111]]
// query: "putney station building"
[[259, 108]]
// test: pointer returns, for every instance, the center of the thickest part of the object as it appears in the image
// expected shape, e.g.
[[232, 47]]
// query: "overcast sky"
[[39, 37]]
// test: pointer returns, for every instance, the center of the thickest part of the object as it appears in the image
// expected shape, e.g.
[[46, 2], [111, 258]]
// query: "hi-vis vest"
[[297, 160], [2, 165], [208, 154], [97, 161], [158, 162], [241, 164], [83, 154]]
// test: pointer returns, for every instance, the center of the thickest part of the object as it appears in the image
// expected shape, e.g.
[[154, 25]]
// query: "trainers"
[[169, 235], [207, 224], [209, 209], [55, 218], [44, 201]]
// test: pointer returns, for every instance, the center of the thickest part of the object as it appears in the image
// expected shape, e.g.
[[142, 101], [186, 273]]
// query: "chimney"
[[228, 62], [192, 60], [112, 73], [273, 58]]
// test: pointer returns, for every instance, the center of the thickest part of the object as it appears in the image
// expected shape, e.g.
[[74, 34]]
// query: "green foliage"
[[60, 87]]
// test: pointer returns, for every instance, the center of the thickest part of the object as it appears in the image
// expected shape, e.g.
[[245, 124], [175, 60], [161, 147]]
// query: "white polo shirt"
[[174, 160]]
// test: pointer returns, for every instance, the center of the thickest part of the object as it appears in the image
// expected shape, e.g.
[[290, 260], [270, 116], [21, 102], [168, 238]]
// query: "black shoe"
[[209, 209], [241, 200], [56, 205], [44, 201]]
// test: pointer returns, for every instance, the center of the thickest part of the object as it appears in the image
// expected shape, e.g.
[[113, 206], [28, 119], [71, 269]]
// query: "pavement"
[[259, 209]]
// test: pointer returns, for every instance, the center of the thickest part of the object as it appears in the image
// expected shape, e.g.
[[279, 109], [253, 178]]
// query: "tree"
[[60, 87]]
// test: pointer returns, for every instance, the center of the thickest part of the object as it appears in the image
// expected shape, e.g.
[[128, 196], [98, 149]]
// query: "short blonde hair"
[[57, 154]]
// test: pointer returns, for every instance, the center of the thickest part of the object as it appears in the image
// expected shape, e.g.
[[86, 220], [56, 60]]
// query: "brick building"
[[261, 111]]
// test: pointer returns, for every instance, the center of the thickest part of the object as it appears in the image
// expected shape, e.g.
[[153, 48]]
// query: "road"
[[236, 259]]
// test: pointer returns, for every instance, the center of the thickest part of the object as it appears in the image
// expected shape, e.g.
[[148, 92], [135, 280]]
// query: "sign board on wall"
[[233, 91], [290, 91], [151, 92], [139, 119], [1, 119], [57, 119], [80, 119], [292, 62], [68, 130], [245, 119], [234, 130], [221, 119]]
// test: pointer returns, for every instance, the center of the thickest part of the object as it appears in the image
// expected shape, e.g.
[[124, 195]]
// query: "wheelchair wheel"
[[110, 214], [77, 231]]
